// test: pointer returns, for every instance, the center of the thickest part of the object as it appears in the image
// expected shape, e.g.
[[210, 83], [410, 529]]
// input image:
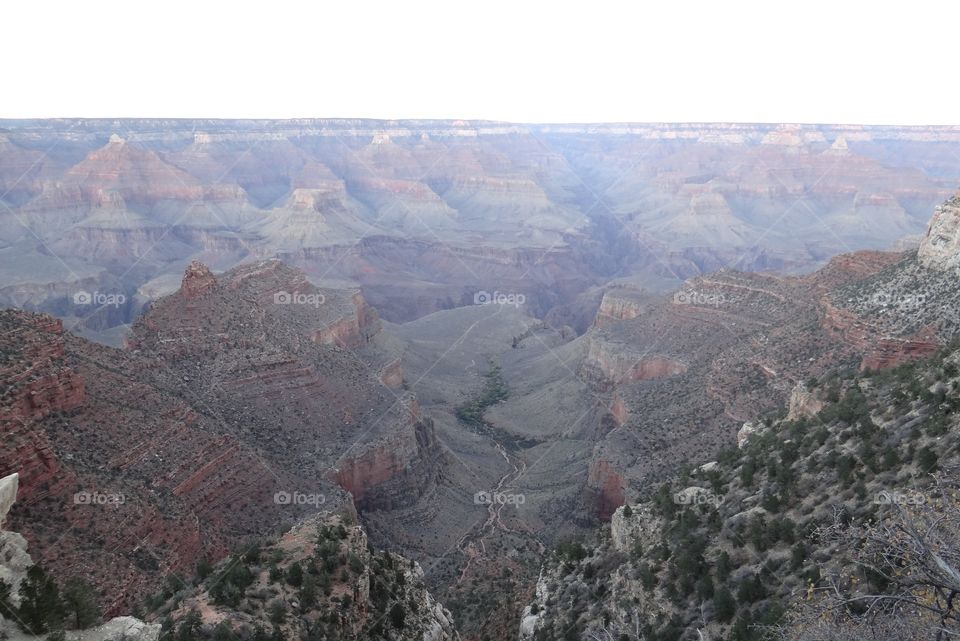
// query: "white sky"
[[523, 61]]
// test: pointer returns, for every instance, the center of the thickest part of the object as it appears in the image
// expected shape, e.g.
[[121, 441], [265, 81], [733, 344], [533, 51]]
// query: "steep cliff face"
[[940, 248], [14, 559], [733, 346], [97, 443], [624, 363], [223, 418], [908, 308], [722, 546], [394, 471], [354, 330], [38, 383], [14, 564], [879, 350], [615, 306], [605, 489], [197, 280]]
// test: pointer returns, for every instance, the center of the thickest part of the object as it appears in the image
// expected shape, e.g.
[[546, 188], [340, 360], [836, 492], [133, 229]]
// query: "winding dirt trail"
[[472, 544]]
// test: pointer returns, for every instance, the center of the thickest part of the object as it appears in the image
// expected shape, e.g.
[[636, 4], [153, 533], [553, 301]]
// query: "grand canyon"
[[359, 379]]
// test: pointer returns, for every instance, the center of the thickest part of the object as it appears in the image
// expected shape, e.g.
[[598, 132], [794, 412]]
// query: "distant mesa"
[[839, 147]]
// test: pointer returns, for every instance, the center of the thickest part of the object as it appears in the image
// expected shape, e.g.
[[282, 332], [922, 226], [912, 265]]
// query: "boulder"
[[745, 432], [8, 494], [940, 248]]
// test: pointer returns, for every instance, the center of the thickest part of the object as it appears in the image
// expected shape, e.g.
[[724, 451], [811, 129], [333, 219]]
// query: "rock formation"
[[418, 214], [8, 494], [373, 594], [224, 401], [196, 280], [14, 559], [605, 489], [940, 248], [803, 404]]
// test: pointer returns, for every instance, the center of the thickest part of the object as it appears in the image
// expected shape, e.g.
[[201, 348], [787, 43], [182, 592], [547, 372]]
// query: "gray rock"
[[8, 494]]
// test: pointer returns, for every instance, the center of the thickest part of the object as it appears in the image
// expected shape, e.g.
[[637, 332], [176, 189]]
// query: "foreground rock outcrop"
[[14, 558], [321, 579], [733, 547], [14, 563], [940, 248]]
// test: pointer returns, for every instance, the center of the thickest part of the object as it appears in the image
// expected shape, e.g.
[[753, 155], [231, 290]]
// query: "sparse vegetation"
[[736, 567]]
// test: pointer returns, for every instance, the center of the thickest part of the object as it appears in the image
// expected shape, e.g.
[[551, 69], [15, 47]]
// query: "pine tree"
[[80, 607], [295, 575], [41, 609], [724, 604], [398, 616], [6, 607], [189, 627]]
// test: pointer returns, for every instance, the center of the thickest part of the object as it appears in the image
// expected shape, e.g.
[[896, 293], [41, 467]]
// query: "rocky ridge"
[[192, 427], [726, 548], [320, 580]]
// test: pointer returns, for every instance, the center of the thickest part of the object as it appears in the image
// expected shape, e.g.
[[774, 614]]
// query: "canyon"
[[421, 215], [477, 340], [201, 457]]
